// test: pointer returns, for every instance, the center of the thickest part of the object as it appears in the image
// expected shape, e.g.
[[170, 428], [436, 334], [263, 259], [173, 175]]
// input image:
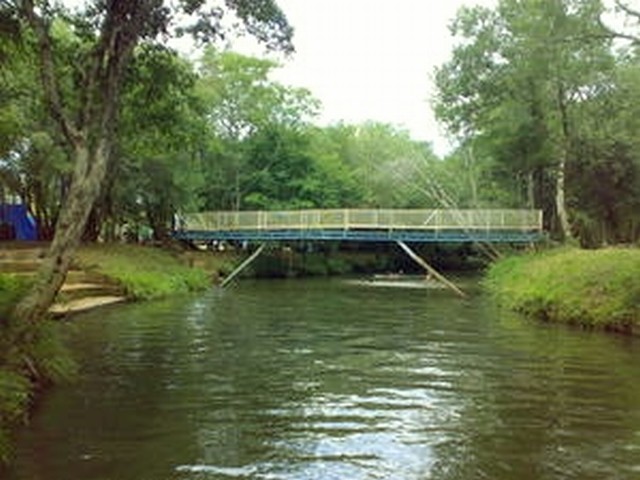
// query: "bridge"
[[372, 225], [379, 225]]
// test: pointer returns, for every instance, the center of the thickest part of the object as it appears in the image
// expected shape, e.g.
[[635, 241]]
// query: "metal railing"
[[360, 219]]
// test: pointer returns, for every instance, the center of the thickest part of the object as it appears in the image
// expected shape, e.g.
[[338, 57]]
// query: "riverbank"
[[144, 273], [34, 356], [591, 288]]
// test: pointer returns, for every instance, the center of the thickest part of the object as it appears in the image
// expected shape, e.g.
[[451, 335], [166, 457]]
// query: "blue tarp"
[[18, 216]]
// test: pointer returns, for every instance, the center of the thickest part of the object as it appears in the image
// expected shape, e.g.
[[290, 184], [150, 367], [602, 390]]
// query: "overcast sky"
[[372, 59]]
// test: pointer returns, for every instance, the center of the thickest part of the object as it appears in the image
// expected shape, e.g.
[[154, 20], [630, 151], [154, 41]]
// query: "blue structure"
[[365, 225], [17, 223], [409, 236], [399, 226]]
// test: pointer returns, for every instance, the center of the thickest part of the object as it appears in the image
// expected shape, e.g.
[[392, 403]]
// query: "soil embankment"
[[591, 288]]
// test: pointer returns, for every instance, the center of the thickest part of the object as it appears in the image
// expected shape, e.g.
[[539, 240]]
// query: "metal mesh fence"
[[373, 219]]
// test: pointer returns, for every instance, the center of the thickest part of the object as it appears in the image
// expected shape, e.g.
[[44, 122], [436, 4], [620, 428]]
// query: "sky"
[[372, 59], [365, 59]]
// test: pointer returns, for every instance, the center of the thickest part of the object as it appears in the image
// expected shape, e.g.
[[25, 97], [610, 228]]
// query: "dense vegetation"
[[590, 288], [31, 356], [543, 96], [541, 124], [107, 133]]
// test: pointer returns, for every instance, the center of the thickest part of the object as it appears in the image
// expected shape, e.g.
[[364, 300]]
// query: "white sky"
[[366, 59], [372, 59]]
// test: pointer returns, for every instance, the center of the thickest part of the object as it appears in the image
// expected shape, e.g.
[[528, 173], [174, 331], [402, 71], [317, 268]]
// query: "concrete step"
[[74, 291], [82, 304], [18, 266], [80, 276], [21, 253]]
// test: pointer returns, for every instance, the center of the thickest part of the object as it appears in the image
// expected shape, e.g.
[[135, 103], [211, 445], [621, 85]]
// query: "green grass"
[[595, 288], [144, 272], [31, 357]]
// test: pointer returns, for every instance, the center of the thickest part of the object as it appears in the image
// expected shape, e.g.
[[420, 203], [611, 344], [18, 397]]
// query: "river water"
[[330, 379]]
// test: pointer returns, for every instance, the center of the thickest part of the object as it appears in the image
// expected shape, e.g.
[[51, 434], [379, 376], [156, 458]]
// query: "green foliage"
[[537, 92], [12, 287], [31, 356], [145, 273], [250, 120], [300, 263], [15, 396], [599, 288]]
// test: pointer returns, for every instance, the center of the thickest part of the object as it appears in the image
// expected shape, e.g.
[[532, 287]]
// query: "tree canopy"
[[531, 89], [81, 58]]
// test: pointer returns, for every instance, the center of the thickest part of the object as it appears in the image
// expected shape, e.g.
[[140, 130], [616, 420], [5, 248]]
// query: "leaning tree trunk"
[[88, 134], [85, 188]]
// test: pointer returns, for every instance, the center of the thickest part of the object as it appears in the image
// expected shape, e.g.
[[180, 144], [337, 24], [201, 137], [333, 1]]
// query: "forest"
[[542, 96], [108, 133]]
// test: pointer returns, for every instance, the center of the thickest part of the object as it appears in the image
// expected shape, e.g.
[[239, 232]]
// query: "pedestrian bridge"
[[362, 225]]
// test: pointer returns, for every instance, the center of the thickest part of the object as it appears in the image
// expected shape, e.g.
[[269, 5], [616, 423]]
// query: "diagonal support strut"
[[419, 260], [242, 266]]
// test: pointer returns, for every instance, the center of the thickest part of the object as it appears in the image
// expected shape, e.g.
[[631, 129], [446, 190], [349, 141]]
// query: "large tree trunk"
[[531, 190], [561, 207], [88, 136], [561, 204], [88, 176]]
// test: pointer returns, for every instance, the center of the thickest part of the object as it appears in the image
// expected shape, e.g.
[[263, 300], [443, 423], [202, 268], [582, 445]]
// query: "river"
[[330, 379]]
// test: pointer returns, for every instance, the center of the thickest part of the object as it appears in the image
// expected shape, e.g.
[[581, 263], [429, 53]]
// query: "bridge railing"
[[372, 219]]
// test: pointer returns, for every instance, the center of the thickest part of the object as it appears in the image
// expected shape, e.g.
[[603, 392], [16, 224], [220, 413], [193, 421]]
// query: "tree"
[[242, 104], [633, 20], [516, 85], [87, 118], [155, 170], [34, 164]]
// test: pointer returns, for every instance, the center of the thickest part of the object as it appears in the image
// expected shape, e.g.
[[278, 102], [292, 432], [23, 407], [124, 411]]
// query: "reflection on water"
[[332, 380]]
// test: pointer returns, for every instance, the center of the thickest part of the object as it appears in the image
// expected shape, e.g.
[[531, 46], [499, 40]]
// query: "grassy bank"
[[593, 288], [34, 356], [143, 272]]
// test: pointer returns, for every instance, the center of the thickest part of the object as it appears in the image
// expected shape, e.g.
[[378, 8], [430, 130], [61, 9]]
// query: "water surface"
[[336, 380]]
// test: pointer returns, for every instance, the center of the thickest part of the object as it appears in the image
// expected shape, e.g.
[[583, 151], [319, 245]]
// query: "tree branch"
[[628, 10], [49, 79], [616, 34]]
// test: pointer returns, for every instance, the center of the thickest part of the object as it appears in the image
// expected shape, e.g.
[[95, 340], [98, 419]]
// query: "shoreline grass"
[[144, 272], [591, 288], [33, 356]]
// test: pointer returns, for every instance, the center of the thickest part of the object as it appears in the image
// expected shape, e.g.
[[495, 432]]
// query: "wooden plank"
[[432, 271], [83, 304]]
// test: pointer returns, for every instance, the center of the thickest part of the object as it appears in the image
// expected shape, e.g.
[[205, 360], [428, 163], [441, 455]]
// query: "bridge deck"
[[366, 225]]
